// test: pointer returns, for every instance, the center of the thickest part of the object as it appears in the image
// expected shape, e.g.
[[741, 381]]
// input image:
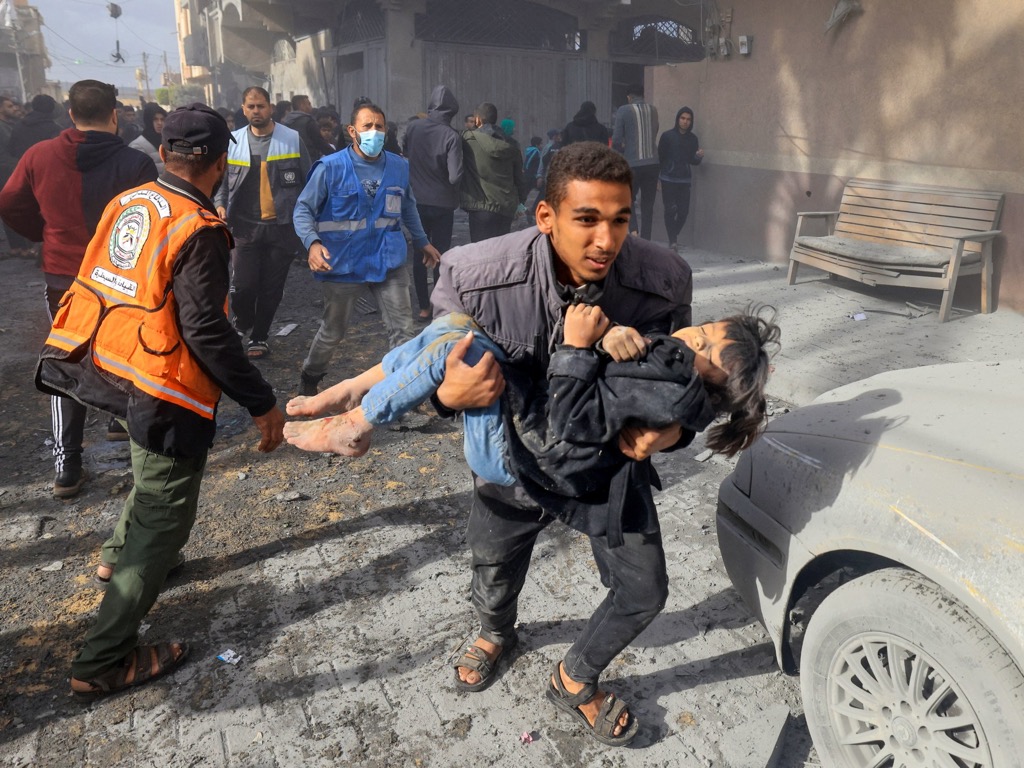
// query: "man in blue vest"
[[349, 217], [267, 166]]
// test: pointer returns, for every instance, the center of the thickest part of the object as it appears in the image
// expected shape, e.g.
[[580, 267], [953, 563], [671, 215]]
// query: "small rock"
[[290, 496], [242, 475], [56, 565], [704, 455]]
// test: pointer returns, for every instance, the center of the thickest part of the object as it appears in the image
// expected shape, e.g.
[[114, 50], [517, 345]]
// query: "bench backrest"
[[904, 214]]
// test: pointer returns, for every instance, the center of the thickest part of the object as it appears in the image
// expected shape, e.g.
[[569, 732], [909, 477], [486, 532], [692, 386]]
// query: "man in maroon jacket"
[[55, 196]]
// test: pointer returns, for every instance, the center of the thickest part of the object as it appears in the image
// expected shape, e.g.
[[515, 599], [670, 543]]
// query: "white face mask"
[[371, 142]]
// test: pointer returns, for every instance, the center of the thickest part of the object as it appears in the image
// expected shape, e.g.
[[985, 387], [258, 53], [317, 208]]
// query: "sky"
[[81, 36]]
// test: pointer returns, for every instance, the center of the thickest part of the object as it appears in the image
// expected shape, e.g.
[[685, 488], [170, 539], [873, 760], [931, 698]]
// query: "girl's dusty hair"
[[755, 339]]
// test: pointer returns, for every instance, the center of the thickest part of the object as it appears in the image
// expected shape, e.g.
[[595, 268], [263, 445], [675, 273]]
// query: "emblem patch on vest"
[[130, 232], [290, 177]]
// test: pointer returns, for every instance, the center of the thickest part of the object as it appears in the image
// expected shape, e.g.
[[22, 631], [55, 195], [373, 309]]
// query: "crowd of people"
[[568, 345]]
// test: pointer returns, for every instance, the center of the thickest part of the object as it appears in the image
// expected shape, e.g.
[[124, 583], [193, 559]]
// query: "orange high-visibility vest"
[[121, 307]]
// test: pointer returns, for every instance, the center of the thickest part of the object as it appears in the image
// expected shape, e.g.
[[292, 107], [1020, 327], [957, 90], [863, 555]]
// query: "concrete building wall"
[[300, 68], [923, 91]]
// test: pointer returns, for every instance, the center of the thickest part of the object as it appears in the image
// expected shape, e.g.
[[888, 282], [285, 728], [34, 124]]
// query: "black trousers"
[[502, 530], [67, 416], [483, 225], [676, 198], [259, 267], [437, 223], [645, 183]]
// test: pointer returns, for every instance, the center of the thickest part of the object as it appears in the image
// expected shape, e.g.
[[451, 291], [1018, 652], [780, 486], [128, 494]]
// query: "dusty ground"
[[344, 601]]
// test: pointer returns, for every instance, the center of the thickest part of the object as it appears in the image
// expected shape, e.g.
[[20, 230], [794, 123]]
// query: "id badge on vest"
[[393, 202]]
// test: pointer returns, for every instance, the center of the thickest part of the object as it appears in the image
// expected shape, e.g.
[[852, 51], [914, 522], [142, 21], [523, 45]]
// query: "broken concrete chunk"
[[704, 455]]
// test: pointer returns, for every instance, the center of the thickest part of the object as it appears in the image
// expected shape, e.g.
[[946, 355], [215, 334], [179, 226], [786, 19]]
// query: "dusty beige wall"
[[924, 91], [303, 74]]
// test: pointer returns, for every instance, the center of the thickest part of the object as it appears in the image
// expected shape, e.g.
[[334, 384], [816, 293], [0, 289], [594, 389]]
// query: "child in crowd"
[[573, 420]]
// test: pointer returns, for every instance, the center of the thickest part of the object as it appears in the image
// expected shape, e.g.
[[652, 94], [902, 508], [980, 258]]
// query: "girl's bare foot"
[[346, 435], [342, 397]]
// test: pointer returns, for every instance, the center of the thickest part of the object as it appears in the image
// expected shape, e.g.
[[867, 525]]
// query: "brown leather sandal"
[[474, 658], [143, 664]]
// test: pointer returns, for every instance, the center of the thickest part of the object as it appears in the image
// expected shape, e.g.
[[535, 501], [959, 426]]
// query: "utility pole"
[[145, 73]]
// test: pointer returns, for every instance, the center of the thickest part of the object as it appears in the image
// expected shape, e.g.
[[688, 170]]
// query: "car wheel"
[[894, 672]]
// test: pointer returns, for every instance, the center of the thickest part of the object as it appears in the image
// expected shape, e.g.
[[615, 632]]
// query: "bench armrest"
[[801, 215], [980, 237]]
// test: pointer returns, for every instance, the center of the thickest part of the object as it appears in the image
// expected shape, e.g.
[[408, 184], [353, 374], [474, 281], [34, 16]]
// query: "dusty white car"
[[878, 534]]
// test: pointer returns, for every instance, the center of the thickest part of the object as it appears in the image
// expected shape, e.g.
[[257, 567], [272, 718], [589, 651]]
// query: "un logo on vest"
[[130, 232]]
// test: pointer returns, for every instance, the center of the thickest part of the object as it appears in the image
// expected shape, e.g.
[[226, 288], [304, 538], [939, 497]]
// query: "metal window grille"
[[361, 20], [655, 39], [500, 23]]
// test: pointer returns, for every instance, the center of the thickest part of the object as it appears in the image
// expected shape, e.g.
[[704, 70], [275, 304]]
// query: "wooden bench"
[[901, 234]]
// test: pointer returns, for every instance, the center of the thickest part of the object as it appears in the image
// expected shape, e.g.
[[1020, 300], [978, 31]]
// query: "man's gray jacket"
[[508, 286]]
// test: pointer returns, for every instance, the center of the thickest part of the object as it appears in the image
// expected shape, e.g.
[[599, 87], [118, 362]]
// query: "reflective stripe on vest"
[[284, 145], [121, 307]]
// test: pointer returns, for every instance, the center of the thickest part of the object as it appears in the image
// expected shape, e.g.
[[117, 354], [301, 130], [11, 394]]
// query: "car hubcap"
[[892, 705]]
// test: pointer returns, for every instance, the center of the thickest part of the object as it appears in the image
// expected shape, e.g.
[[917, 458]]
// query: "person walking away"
[[17, 246], [149, 140], [635, 134], [434, 151], [267, 166], [55, 196], [678, 149], [151, 291], [349, 218], [492, 182], [38, 125], [532, 172], [547, 154], [301, 119], [584, 126]]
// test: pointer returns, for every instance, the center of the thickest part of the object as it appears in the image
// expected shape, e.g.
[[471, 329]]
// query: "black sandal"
[[474, 658], [607, 719]]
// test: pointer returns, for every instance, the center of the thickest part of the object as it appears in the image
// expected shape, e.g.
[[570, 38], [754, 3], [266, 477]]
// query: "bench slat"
[[934, 195], [920, 212], [900, 237], [904, 231]]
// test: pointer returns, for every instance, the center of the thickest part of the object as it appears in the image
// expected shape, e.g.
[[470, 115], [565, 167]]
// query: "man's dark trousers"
[[502, 530], [676, 198], [437, 223], [483, 225], [67, 415], [645, 183], [259, 267]]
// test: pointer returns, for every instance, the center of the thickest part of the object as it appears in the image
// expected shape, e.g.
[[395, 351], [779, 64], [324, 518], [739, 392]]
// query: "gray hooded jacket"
[[434, 151]]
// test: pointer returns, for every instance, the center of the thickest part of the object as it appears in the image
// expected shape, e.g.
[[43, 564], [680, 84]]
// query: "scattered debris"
[[229, 657], [526, 737], [857, 316], [704, 455], [287, 329], [290, 496]]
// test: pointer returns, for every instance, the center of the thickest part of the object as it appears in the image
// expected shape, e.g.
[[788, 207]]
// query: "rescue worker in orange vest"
[[143, 333]]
